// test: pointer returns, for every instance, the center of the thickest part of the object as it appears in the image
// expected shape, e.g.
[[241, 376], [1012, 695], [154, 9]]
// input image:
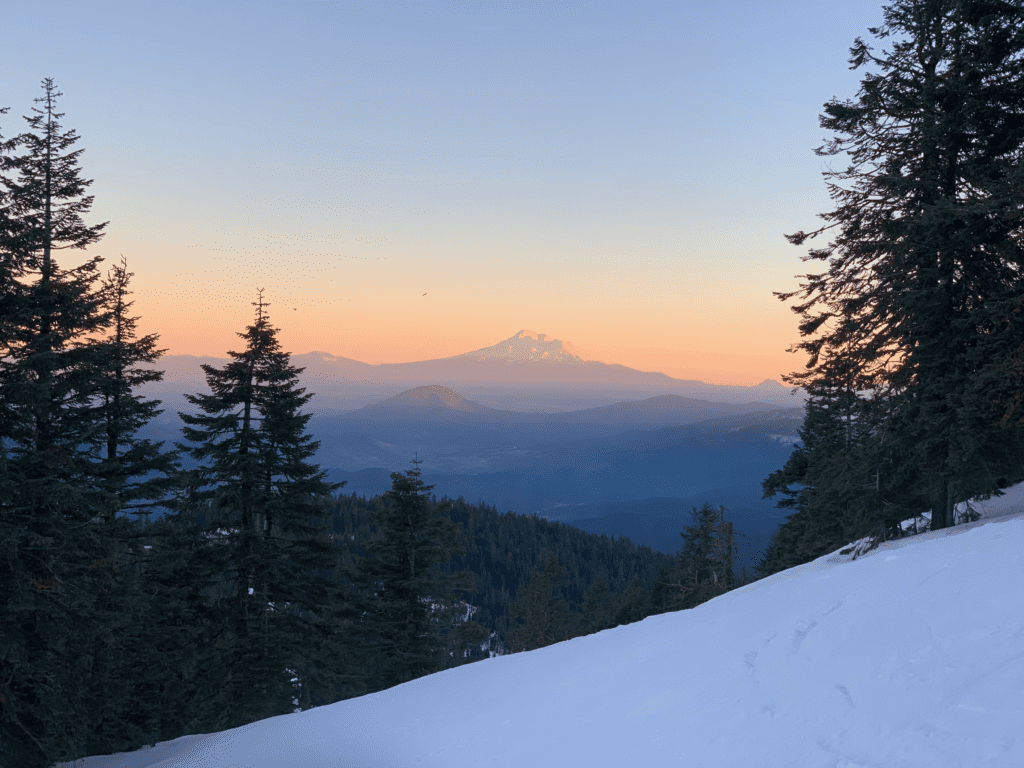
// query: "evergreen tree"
[[134, 476], [598, 606], [634, 604], [136, 472], [706, 560], [914, 311], [703, 567], [257, 503], [404, 586], [828, 482], [540, 615], [12, 263], [59, 586]]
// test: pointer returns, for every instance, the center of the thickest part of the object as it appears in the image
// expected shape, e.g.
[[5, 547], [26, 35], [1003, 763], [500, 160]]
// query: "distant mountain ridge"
[[430, 400], [527, 362], [439, 403]]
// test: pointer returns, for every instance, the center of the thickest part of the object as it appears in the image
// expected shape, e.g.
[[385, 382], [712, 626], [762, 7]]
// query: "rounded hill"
[[432, 394], [431, 400]]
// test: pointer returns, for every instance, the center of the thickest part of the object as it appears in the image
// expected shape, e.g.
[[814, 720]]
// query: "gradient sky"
[[614, 174]]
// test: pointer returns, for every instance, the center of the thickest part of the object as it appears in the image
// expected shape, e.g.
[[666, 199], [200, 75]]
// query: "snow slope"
[[911, 655]]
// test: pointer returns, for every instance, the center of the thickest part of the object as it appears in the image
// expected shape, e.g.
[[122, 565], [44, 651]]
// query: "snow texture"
[[910, 655]]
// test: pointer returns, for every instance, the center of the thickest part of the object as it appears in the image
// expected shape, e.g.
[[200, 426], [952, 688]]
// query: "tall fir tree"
[[831, 481], [914, 310], [61, 573], [12, 265], [137, 473], [257, 500], [704, 566], [135, 476], [707, 556], [403, 585]]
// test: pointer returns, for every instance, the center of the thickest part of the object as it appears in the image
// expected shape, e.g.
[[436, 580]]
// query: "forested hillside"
[[253, 590], [502, 551], [257, 590]]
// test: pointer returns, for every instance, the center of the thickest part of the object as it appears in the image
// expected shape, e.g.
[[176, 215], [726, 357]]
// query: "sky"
[[908, 656], [413, 180]]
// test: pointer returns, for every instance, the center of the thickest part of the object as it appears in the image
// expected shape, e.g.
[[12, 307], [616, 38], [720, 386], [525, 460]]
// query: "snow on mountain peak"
[[529, 346]]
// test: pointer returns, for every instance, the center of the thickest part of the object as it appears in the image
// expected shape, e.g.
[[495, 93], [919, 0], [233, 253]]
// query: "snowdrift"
[[911, 655]]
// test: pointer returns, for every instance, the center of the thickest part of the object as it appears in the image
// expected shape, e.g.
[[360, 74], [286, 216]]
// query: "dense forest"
[[143, 600], [912, 324], [147, 597]]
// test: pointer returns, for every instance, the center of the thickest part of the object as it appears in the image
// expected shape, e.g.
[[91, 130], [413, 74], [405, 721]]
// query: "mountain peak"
[[431, 401], [431, 394], [527, 346]]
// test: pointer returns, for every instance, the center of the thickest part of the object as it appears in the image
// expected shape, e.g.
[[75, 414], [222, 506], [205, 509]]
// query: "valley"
[[630, 468], [531, 425]]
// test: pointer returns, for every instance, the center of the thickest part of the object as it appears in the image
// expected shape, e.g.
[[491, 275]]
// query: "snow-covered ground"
[[910, 655]]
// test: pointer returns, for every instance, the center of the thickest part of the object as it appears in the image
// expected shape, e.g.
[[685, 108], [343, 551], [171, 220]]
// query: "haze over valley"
[[530, 425], [279, 484]]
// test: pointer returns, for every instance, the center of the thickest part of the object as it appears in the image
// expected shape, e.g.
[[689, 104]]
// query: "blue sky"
[[619, 175]]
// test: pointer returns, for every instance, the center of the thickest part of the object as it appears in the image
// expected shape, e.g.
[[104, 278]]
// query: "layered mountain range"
[[632, 468], [435, 402], [526, 372], [533, 425]]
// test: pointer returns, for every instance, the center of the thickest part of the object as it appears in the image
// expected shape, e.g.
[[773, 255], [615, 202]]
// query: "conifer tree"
[[403, 584], [540, 614], [704, 565], [135, 476], [269, 558], [136, 472], [706, 559], [59, 559], [598, 606], [915, 309], [829, 482], [634, 604], [12, 265]]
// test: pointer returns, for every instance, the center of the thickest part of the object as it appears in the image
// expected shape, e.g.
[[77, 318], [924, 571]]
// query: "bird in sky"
[[424, 294]]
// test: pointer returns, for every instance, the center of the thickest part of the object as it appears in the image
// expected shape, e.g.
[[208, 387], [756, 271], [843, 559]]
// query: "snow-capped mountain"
[[527, 346], [525, 361]]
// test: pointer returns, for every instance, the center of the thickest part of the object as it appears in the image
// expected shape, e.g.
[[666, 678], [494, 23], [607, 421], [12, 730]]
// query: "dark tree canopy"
[[62, 598], [404, 583], [540, 615], [260, 499], [912, 326], [136, 473]]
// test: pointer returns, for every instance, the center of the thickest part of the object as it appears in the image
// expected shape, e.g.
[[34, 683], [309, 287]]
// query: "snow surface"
[[909, 655]]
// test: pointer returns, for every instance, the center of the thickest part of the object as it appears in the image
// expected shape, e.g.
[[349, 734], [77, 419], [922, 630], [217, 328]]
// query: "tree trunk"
[[942, 509]]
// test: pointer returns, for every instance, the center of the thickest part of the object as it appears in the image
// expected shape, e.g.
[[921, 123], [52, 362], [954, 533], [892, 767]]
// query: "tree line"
[[143, 601], [914, 326], [259, 590]]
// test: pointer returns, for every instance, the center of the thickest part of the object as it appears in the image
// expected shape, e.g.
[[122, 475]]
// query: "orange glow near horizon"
[[739, 337], [409, 185]]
